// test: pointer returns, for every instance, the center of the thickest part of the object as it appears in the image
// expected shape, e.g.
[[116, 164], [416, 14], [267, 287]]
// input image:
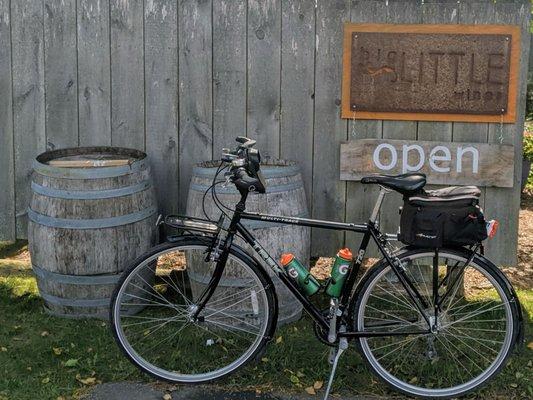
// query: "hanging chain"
[[354, 133], [501, 127]]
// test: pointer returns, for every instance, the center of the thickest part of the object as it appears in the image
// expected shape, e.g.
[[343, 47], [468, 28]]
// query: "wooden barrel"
[[92, 211], [285, 195]]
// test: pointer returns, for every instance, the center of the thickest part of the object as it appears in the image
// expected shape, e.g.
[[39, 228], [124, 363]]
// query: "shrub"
[[528, 146]]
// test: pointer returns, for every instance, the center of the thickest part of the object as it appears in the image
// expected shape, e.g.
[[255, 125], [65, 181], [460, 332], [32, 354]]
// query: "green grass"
[[43, 357]]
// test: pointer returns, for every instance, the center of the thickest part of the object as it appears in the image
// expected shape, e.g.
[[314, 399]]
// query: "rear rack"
[[187, 223]]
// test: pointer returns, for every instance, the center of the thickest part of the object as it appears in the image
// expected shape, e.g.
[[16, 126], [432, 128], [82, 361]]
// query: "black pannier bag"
[[444, 217]]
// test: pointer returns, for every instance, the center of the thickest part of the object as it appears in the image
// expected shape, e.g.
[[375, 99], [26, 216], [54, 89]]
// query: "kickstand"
[[334, 360]]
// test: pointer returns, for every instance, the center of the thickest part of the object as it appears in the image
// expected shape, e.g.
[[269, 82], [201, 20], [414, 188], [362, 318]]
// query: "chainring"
[[322, 334]]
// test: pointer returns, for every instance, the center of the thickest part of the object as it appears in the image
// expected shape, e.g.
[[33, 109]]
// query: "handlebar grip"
[[246, 182]]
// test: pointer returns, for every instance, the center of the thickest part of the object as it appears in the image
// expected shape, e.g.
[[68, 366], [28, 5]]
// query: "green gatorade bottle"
[[339, 272], [300, 274]]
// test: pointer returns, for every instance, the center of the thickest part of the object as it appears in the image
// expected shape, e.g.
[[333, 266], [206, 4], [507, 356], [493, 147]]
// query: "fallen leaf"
[[519, 375], [294, 379], [279, 339], [45, 333], [71, 362], [28, 368], [300, 374], [87, 381], [45, 380], [4, 349], [530, 363], [57, 351], [514, 385], [310, 390], [530, 345], [60, 398], [167, 396], [265, 359], [318, 385], [413, 380]]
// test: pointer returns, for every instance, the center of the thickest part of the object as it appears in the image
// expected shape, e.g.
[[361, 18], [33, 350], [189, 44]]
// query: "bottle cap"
[[345, 254], [286, 258]]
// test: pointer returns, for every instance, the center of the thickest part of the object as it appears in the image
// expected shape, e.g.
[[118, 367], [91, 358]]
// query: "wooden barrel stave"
[[77, 264], [285, 196]]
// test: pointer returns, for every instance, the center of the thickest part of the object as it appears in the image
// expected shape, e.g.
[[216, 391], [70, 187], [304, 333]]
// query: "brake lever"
[[228, 176]]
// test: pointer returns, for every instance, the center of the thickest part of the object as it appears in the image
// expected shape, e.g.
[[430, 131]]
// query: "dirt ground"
[[522, 276]]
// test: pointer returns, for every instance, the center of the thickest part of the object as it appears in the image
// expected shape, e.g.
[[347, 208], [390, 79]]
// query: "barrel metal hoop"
[[97, 223], [88, 173], [224, 282], [60, 301], [89, 280], [231, 190], [268, 172], [90, 194]]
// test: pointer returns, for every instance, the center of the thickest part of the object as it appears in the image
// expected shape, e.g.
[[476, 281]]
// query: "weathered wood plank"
[[161, 102], [264, 71], [400, 12], [94, 77], [360, 198], [329, 193], [7, 200], [297, 87], [503, 204], [127, 74], [472, 13], [229, 73], [28, 99], [195, 89], [445, 163], [60, 72]]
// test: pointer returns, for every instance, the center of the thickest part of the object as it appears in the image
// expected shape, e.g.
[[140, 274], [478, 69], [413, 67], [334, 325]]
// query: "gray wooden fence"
[[180, 79]]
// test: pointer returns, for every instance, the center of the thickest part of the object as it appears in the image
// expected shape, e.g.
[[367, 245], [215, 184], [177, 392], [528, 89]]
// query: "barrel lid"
[[286, 258], [345, 254], [100, 162]]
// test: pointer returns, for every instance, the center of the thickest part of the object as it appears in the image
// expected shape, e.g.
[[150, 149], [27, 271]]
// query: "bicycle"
[[198, 306]]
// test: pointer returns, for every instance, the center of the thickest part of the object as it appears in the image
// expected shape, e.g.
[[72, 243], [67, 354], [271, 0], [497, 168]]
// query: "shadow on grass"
[[12, 249]]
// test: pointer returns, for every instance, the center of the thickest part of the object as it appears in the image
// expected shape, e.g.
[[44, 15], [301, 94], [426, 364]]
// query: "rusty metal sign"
[[431, 73]]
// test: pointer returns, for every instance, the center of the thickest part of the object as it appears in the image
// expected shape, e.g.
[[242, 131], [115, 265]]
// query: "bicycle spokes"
[[156, 312], [467, 336]]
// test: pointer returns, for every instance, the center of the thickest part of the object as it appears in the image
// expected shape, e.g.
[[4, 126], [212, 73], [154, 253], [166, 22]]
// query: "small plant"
[[528, 146]]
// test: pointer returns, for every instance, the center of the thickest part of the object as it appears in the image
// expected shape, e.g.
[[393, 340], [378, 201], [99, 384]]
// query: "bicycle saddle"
[[406, 184]]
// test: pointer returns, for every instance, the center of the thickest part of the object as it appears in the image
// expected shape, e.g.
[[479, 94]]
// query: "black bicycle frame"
[[369, 230]]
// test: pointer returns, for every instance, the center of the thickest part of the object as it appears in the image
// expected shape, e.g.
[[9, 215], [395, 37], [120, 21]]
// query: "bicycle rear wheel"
[[156, 297], [475, 327]]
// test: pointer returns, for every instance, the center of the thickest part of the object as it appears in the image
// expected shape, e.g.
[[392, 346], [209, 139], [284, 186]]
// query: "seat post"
[[375, 213]]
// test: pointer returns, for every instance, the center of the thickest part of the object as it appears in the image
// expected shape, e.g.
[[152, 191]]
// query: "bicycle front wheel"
[[473, 330], [154, 302]]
